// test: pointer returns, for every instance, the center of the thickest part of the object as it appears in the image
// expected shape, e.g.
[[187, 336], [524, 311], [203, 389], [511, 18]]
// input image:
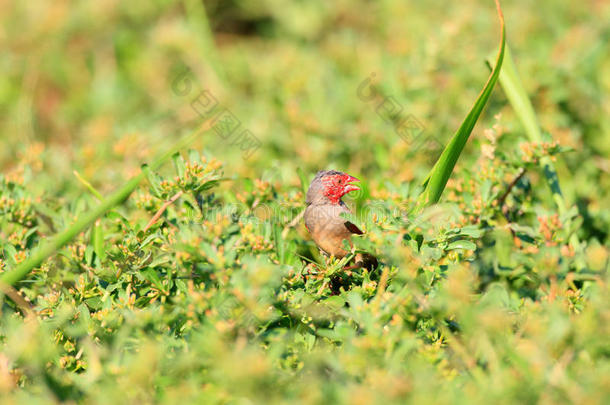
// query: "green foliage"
[[202, 285]]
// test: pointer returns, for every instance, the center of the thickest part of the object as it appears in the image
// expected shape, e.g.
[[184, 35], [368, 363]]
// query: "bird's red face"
[[337, 185]]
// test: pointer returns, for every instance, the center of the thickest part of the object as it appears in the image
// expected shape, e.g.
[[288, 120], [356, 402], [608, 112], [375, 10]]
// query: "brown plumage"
[[323, 215]]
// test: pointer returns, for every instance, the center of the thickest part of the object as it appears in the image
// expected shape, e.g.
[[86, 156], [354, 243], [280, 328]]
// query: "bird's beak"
[[350, 187]]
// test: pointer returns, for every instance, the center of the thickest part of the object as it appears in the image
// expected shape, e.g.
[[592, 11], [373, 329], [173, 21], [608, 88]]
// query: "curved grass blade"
[[88, 185], [50, 246], [440, 173]]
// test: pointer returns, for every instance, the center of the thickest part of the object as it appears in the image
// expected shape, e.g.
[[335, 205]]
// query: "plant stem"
[[161, 210]]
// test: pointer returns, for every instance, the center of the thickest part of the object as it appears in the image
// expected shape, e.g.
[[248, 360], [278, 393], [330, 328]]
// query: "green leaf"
[[279, 243], [472, 231], [94, 303], [206, 186], [152, 276], [148, 240], [9, 253], [154, 180], [335, 302], [97, 240], [194, 155], [179, 164], [440, 173], [462, 244], [159, 261]]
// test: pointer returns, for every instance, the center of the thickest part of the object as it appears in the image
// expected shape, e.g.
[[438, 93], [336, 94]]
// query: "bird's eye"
[[340, 181]]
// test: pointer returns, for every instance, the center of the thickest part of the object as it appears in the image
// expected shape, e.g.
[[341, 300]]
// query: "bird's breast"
[[327, 227]]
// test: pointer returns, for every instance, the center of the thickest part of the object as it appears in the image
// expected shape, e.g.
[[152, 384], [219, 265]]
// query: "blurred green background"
[[92, 81]]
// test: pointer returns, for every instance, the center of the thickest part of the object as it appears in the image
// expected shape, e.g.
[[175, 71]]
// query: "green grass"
[[497, 294]]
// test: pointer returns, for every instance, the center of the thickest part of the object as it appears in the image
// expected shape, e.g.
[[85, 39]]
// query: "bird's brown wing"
[[353, 228], [362, 260]]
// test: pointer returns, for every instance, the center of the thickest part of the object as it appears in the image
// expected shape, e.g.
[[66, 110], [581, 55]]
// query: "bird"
[[323, 217]]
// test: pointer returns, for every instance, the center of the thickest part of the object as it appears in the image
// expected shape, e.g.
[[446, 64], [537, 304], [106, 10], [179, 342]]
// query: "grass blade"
[[440, 173], [88, 186]]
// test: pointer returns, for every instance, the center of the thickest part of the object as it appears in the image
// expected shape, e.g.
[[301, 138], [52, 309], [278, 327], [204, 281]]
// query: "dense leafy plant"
[[202, 285]]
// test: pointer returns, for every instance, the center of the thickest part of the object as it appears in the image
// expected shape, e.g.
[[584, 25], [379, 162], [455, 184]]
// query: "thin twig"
[[26, 308], [322, 287], [502, 199], [293, 223], [169, 202]]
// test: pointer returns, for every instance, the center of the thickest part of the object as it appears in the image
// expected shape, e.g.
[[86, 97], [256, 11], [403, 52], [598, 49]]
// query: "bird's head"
[[330, 186]]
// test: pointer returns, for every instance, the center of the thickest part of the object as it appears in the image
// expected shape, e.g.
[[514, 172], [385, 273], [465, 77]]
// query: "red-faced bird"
[[323, 215]]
